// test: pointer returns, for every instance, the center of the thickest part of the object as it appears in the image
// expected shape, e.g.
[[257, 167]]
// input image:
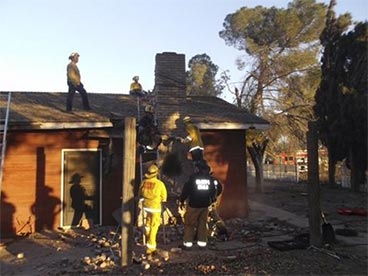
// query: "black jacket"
[[200, 190]]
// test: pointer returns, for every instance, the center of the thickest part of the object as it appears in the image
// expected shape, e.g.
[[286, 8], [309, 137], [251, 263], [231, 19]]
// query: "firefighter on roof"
[[136, 87], [75, 84]]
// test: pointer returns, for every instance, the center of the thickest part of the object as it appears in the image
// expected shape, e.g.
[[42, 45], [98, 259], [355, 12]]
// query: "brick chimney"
[[170, 90]]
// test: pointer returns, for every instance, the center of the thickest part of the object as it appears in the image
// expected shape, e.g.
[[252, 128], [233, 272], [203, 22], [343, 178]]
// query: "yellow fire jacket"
[[194, 136], [135, 86], [73, 74], [153, 191]]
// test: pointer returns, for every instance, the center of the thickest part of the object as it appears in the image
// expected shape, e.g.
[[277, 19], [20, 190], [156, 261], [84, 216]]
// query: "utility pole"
[[127, 214], [314, 195]]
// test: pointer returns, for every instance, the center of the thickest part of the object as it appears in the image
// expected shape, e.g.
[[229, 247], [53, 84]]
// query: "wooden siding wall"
[[225, 152], [31, 190]]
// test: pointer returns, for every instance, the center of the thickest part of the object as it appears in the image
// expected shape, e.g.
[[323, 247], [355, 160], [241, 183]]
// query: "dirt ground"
[[247, 252]]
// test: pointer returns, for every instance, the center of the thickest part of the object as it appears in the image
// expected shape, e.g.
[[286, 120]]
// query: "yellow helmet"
[[152, 171]]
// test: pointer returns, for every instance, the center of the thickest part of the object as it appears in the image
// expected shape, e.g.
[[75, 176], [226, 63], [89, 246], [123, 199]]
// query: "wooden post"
[[313, 186], [127, 207]]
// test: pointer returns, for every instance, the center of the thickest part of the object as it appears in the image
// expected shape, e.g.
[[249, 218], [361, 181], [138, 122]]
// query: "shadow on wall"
[[46, 208], [79, 197], [7, 212]]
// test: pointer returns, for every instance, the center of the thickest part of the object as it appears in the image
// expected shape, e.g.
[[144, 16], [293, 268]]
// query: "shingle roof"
[[29, 109], [209, 110]]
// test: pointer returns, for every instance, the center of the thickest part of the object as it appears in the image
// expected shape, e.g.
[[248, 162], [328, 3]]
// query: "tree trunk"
[[259, 176], [331, 168], [331, 172], [256, 152], [257, 161], [357, 169]]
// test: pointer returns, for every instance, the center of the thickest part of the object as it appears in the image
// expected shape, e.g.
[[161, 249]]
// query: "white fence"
[[281, 172], [290, 174]]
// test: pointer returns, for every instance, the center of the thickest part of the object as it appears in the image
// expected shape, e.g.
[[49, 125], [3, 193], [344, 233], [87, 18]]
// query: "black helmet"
[[203, 167]]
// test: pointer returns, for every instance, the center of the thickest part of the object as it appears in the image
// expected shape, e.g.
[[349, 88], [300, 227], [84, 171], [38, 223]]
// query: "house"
[[50, 152]]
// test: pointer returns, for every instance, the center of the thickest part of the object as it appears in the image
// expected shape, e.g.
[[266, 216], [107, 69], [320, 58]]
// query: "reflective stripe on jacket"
[[194, 136]]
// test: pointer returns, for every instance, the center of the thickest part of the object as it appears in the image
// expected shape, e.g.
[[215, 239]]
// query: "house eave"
[[228, 125], [60, 125]]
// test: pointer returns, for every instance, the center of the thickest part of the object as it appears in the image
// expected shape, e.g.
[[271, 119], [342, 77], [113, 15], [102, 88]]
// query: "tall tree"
[[201, 77], [354, 100], [283, 47], [341, 99]]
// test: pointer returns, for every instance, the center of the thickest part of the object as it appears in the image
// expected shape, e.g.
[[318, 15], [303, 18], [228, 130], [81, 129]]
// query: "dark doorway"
[[81, 186]]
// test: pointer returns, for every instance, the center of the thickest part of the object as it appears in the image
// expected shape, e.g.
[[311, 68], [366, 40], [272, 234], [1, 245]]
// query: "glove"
[[181, 206]]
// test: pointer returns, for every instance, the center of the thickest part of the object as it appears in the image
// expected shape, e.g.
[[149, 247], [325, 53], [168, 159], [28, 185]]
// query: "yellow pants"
[[153, 221]]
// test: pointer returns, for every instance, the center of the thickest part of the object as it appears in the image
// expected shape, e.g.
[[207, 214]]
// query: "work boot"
[[151, 255]]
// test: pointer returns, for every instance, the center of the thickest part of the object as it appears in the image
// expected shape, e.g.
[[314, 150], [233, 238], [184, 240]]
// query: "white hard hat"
[[149, 108], [187, 119], [136, 78], [73, 55]]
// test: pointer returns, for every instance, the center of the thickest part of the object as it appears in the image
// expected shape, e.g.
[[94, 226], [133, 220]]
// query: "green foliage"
[[341, 99], [257, 28], [283, 46], [201, 77]]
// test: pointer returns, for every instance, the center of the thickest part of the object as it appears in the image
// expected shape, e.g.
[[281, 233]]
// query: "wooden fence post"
[[127, 207], [313, 186]]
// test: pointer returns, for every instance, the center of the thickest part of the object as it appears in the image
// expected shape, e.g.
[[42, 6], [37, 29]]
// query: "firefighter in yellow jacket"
[[194, 139], [154, 194], [75, 84], [136, 87]]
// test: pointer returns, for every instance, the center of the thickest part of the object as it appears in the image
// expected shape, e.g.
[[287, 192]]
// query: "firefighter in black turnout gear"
[[148, 136], [199, 192]]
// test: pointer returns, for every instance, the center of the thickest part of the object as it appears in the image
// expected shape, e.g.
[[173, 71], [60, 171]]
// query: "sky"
[[117, 39]]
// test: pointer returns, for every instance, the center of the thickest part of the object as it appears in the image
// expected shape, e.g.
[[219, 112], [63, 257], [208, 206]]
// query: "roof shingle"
[[32, 108]]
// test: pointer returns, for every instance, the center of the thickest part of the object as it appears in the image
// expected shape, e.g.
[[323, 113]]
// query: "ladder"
[[150, 99], [3, 130], [145, 98]]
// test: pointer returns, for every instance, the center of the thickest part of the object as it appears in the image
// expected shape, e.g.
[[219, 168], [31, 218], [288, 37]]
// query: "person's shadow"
[[45, 213], [79, 196], [7, 228]]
